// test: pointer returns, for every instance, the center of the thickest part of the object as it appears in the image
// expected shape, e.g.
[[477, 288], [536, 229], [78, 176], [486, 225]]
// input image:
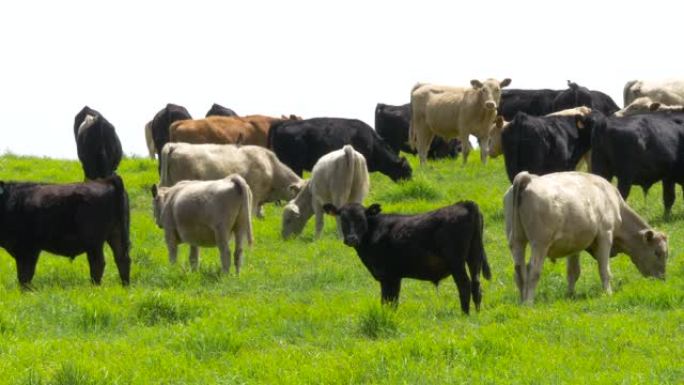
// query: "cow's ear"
[[499, 121], [649, 235], [654, 106], [373, 209], [295, 188], [330, 209], [154, 190], [476, 83], [505, 83]]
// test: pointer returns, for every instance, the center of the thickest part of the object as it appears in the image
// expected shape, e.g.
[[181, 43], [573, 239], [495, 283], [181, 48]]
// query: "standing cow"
[[300, 144], [97, 144], [204, 214], [563, 213], [454, 112], [268, 178], [339, 177], [160, 126], [219, 110], [68, 220], [392, 124], [251, 129]]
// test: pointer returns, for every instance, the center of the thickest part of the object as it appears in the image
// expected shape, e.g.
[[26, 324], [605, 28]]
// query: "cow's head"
[[495, 147], [293, 221], [649, 253], [490, 91], [158, 203], [640, 105], [354, 220], [402, 171]]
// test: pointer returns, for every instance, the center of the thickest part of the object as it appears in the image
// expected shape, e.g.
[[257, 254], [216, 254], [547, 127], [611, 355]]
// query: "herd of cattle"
[[217, 172]]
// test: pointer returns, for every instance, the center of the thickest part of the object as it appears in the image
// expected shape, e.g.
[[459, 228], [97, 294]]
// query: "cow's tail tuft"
[[246, 208]]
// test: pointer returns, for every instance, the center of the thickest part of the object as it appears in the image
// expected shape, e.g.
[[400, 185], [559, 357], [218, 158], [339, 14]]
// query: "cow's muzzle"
[[490, 105], [351, 240]]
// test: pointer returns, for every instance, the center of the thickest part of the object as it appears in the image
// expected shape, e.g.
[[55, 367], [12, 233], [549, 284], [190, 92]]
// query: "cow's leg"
[[26, 267], [518, 252], [222, 238], [484, 149], [573, 271], [534, 269], [318, 212], [237, 254], [466, 148], [389, 291], [123, 261], [171, 244], [602, 253], [97, 263], [624, 185], [194, 257], [463, 283], [668, 195], [474, 268], [424, 140], [258, 210]]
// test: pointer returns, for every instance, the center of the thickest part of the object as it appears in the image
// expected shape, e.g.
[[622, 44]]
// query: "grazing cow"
[[543, 102], [670, 92], [339, 177], [392, 124], [219, 110], [68, 220], [251, 129], [299, 144], [149, 139], [544, 144], [204, 214], [160, 125], [645, 104], [429, 246], [454, 112], [268, 178], [97, 144], [640, 150], [563, 213]]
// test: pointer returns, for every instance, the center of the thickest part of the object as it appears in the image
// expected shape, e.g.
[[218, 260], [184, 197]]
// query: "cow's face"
[[650, 256], [354, 220], [293, 221], [157, 203], [638, 106], [402, 171], [495, 147], [490, 91]]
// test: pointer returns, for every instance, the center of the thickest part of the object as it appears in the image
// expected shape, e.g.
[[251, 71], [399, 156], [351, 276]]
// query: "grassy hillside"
[[308, 312]]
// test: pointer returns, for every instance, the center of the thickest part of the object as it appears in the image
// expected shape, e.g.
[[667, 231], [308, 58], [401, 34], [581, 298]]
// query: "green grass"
[[309, 312]]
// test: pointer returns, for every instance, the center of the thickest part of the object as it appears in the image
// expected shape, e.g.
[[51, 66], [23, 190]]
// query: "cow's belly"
[[198, 235], [427, 268]]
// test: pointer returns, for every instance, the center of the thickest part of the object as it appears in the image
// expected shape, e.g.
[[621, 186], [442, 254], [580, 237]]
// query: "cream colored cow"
[[667, 92], [646, 104]]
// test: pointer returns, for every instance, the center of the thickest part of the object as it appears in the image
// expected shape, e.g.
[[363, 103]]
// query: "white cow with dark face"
[[564, 213], [454, 112]]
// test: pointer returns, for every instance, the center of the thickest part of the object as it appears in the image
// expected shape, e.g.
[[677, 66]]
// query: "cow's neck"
[[627, 237], [303, 200]]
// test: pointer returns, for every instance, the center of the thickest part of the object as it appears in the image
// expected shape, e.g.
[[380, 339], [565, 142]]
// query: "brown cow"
[[250, 129]]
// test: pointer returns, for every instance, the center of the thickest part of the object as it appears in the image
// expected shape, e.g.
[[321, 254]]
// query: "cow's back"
[[200, 162]]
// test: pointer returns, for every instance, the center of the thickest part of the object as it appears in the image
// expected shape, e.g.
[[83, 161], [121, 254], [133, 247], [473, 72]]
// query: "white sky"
[[319, 58]]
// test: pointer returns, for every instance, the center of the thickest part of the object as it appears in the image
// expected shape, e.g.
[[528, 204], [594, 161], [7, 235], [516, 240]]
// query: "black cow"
[[544, 144], [160, 126], [68, 220], [429, 246], [299, 144], [219, 110], [640, 150], [543, 102], [97, 144], [392, 124]]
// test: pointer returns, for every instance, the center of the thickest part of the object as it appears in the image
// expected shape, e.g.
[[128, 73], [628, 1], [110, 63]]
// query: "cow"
[[160, 126], [428, 247], [546, 144], [545, 101], [454, 112], [299, 144], [97, 144], [149, 140], [251, 129], [392, 124], [645, 104], [67, 220], [339, 177], [561, 214], [204, 214], [669, 92], [268, 178], [219, 110], [495, 146], [640, 150]]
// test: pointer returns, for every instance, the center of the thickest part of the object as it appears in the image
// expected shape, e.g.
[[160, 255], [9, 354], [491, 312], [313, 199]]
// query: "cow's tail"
[[122, 203], [413, 135], [246, 208], [164, 164], [627, 93], [520, 182], [350, 172], [477, 250]]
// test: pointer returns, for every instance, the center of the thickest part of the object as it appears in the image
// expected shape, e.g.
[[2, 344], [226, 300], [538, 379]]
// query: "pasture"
[[309, 312]]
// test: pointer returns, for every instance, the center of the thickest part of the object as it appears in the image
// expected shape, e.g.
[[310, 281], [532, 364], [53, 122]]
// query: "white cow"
[[269, 179], [454, 112], [669, 92], [646, 104], [563, 213], [204, 214], [338, 177], [150, 140]]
